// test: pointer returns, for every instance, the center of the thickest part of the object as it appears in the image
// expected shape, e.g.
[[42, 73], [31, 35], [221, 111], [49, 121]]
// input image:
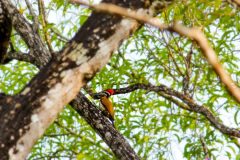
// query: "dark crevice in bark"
[[5, 33]]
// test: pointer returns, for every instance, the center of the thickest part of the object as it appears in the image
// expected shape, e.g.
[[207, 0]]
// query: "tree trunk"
[[25, 117]]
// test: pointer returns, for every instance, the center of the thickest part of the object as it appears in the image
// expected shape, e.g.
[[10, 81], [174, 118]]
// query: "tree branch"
[[27, 32], [235, 2], [27, 57], [104, 128], [205, 149], [192, 105], [35, 17], [192, 33]]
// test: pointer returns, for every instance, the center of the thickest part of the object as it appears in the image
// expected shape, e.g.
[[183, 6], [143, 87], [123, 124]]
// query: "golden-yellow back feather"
[[107, 104]]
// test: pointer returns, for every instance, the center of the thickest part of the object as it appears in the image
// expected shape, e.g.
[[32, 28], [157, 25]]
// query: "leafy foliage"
[[154, 126]]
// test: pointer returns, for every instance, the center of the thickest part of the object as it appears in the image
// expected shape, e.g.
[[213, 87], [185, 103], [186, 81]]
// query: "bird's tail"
[[105, 113]]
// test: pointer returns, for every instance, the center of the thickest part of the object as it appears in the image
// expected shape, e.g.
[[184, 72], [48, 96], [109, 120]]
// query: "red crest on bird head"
[[110, 91]]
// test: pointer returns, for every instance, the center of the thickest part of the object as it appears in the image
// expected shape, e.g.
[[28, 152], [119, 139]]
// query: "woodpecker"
[[106, 102]]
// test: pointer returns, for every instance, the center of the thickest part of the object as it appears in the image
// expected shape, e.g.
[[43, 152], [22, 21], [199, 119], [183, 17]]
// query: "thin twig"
[[44, 24], [211, 56], [35, 17], [63, 38], [172, 57], [205, 149]]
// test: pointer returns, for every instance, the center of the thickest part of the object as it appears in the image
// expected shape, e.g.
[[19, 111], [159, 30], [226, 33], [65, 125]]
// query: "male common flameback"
[[106, 102]]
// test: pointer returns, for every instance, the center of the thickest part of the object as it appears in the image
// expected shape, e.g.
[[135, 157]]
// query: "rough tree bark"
[[5, 33], [28, 33], [24, 117], [103, 127]]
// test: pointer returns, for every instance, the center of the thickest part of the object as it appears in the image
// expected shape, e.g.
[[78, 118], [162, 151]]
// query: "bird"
[[106, 103]]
